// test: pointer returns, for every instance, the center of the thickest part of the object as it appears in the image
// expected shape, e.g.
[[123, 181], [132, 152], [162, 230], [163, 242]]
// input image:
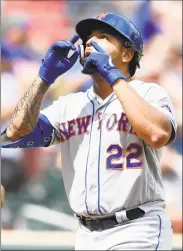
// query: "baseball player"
[[111, 136]]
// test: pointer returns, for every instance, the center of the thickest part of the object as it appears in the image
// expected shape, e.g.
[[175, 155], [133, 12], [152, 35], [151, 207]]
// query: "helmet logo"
[[128, 44], [102, 15]]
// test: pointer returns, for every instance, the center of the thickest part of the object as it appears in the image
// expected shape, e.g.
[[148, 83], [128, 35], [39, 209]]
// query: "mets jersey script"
[[106, 167]]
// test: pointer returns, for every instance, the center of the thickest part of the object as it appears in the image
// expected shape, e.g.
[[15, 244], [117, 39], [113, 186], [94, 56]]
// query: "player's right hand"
[[56, 61]]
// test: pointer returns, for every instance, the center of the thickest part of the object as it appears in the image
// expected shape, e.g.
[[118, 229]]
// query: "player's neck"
[[101, 87]]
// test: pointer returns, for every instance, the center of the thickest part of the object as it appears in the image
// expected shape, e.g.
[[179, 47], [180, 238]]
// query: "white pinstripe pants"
[[147, 233]]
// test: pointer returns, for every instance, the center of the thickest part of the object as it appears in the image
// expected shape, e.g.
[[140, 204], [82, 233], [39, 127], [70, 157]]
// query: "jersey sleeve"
[[54, 114], [159, 98]]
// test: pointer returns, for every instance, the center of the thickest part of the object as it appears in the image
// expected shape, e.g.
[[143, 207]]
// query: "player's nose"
[[93, 38]]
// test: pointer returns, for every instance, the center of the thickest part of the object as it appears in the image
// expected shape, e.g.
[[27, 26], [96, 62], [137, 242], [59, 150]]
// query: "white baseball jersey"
[[106, 166]]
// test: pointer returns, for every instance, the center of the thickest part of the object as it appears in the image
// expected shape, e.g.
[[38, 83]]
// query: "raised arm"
[[26, 113], [150, 124]]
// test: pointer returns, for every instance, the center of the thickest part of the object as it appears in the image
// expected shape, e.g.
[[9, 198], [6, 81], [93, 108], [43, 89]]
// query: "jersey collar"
[[98, 101]]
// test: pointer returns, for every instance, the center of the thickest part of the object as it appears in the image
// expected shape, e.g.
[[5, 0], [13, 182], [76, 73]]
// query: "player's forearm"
[[25, 115], [149, 124], [6, 112]]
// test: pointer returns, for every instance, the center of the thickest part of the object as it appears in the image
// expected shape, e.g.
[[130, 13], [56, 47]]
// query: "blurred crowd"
[[28, 29]]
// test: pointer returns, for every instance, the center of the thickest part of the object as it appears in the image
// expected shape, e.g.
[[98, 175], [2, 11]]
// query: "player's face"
[[109, 43]]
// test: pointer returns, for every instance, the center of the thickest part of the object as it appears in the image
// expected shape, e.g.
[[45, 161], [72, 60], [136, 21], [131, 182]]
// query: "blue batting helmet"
[[120, 25]]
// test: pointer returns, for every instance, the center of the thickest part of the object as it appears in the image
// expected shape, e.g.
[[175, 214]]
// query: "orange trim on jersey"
[[83, 124], [127, 151], [71, 130], [123, 123], [100, 120], [122, 156], [114, 123]]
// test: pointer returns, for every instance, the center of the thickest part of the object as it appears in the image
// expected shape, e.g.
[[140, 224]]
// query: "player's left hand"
[[103, 64], [56, 62]]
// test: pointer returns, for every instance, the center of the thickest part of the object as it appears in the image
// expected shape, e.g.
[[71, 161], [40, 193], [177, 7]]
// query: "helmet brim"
[[85, 27]]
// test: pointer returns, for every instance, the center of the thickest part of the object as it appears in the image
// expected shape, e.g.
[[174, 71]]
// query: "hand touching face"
[[108, 42]]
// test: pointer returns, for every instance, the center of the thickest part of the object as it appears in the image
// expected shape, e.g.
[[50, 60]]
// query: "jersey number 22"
[[131, 154]]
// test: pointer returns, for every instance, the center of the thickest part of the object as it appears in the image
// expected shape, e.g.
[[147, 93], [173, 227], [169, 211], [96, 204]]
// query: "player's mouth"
[[88, 51], [86, 54]]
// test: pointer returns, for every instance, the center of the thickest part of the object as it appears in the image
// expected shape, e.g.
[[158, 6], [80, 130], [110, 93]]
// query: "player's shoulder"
[[143, 87], [136, 83]]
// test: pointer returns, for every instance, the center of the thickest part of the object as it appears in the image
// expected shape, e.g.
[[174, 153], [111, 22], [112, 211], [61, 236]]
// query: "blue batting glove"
[[102, 63], [56, 61]]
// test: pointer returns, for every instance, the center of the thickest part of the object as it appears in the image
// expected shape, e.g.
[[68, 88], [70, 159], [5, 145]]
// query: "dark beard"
[[89, 71]]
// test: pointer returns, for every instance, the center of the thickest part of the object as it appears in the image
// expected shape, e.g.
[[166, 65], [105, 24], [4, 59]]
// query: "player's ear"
[[127, 55]]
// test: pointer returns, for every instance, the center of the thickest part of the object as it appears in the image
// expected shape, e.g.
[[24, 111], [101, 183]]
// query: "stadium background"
[[36, 214]]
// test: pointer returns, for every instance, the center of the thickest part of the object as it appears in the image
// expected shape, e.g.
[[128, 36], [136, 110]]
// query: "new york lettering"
[[80, 126]]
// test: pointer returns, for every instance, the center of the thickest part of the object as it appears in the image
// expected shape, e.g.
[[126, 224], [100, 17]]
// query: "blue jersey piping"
[[88, 155], [160, 223]]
